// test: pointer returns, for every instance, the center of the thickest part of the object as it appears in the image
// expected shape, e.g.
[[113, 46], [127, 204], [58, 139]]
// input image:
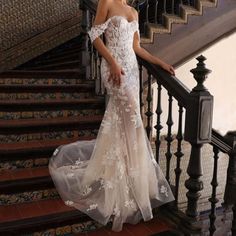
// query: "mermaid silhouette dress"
[[115, 176]]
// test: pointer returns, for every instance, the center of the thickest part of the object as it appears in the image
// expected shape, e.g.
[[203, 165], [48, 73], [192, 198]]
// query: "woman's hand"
[[168, 68], [115, 74]]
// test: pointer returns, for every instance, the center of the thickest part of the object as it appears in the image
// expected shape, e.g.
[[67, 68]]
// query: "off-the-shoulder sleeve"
[[137, 30], [97, 30]]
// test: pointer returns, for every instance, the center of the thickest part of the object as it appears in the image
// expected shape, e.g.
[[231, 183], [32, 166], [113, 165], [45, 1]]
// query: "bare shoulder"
[[104, 3], [102, 11], [135, 12]]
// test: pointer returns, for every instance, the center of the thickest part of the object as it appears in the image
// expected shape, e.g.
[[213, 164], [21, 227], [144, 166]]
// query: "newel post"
[[198, 126], [230, 189], [84, 53]]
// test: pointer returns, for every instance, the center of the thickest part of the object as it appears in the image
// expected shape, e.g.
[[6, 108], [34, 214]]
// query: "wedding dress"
[[115, 176]]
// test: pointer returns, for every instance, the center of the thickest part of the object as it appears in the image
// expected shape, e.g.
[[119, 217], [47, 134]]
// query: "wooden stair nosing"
[[34, 105], [45, 88], [35, 149], [42, 222]]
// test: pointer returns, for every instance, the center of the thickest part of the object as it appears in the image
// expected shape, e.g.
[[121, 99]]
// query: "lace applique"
[[70, 175], [69, 203], [78, 162], [87, 190], [107, 184], [164, 190], [55, 152], [116, 211], [97, 30], [92, 207], [130, 204]]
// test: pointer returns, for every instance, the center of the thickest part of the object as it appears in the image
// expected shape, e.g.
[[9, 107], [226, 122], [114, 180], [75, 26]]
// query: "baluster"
[[96, 55], [173, 6], [230, 189], [234, 221], [158, 126], [85, 54], [92, 62], [141, 89], [149, 111], [147, 12], [156, 7], [169, 138], [213, 198], [179, 154], [100, 92], [164, 7]]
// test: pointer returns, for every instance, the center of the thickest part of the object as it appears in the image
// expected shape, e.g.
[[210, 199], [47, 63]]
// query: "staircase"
[[41, 107]]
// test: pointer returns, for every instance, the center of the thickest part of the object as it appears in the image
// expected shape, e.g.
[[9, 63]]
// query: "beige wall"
[[221, 59]]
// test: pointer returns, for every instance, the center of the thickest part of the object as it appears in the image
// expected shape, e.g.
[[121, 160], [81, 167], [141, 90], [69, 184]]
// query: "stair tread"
[[52, 101], [19, 86], [22, 174], [59, 64], [49, 121], [40, 73], [21, 211]]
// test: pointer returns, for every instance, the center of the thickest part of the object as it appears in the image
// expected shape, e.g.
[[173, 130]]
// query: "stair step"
[[47, 125], [44, 114], [36, 216], [21, 180], [76, 73], [60, 65], [43, 88], [33, 149], [51, 104], [66, 56]]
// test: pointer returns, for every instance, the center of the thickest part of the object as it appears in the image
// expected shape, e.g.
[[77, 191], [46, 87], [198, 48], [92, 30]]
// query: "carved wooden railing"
[[197, 105]]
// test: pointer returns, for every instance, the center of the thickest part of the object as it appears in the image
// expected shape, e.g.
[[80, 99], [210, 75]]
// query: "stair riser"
[[70, 228], [49, 114], [29, 196], [66, 56], [58, 66], [50, 135], [39, 81], [42, 96], [25, 164], [42, 106]]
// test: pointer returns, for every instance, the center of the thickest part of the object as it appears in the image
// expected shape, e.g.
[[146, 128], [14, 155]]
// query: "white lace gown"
[[115, 176]]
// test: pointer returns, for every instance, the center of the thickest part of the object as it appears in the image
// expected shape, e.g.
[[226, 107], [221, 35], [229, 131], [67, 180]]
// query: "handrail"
[[182, 95]]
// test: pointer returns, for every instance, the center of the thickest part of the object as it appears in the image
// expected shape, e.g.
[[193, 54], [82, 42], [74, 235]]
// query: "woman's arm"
[[143, 53], [100, 18]]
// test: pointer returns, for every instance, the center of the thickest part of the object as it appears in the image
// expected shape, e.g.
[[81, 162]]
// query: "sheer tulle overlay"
[[115, 176]]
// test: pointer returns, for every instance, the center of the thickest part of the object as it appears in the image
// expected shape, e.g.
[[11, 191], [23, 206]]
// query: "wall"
[[29, 28], [221, 59], [23, 19]]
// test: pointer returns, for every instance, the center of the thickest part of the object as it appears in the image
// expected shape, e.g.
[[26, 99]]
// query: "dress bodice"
[[119, 32]]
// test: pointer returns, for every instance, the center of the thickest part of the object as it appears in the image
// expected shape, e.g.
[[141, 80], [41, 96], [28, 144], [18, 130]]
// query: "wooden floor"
[[141, 229]]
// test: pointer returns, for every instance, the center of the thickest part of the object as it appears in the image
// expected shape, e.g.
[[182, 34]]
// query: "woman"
[[115, 176]]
